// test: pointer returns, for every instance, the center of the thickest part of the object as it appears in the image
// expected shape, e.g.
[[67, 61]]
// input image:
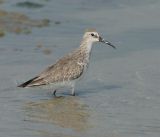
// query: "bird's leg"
[[73, 91], [54, 93]]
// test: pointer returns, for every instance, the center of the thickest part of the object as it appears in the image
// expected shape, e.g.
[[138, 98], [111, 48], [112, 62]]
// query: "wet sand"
[[118, 97]]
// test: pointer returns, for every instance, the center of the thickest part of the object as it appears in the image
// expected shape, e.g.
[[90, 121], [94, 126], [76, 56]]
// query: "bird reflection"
[[67, 112]]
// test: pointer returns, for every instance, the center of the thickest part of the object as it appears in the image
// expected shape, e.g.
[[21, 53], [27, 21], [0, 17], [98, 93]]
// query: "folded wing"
[[65, 69]]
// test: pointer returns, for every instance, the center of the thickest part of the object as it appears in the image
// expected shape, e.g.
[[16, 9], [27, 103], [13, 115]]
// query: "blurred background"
[[119, 95]]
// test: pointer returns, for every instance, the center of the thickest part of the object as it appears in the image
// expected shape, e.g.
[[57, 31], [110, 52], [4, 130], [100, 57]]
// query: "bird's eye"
[[92, 34]]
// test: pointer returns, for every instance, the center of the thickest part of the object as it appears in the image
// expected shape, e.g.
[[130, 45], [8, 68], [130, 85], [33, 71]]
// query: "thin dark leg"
[[54, 93]]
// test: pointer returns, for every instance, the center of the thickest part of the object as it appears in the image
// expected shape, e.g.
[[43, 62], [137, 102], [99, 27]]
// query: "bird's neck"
[[86, 46]]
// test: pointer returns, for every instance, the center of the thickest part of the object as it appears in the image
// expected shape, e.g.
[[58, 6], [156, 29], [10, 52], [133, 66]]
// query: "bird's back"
[[68, 68]]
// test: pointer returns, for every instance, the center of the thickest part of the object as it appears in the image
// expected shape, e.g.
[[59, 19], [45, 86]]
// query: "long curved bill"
[[106, 42]]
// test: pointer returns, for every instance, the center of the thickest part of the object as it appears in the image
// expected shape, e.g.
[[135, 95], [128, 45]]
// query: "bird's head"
[[93, 36]]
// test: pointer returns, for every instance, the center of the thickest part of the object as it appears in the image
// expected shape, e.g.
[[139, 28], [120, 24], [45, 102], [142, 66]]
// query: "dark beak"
[[106, 42]]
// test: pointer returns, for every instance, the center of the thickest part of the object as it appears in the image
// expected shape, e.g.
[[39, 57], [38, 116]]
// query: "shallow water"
[[118, 97]]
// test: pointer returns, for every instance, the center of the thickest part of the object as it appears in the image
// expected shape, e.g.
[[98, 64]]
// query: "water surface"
[[118, 97]]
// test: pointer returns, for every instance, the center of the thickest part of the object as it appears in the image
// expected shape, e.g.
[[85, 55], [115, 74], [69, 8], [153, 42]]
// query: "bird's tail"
[[27, 83]]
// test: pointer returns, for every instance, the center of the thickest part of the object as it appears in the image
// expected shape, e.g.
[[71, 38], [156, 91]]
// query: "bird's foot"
[[73, 94], [54, 94]]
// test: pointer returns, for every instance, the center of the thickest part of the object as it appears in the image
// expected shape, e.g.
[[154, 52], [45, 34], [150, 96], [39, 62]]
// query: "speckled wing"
[[65, 69]]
